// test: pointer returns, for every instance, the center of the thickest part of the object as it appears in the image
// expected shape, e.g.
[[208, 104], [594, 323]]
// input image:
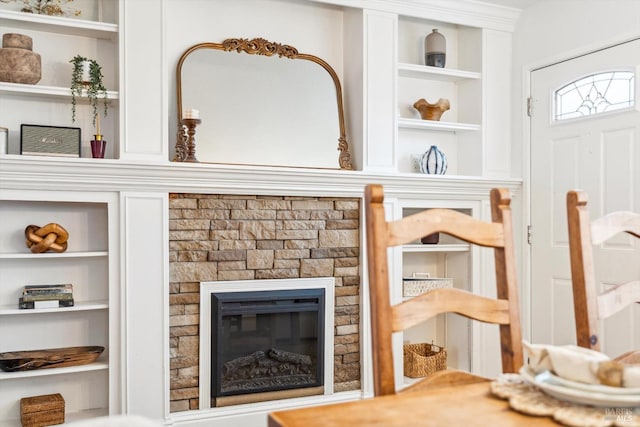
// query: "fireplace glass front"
[[266, 345]]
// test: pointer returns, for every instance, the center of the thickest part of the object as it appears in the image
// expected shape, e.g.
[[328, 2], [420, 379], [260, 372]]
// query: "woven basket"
[[420, 283], [423, 359]]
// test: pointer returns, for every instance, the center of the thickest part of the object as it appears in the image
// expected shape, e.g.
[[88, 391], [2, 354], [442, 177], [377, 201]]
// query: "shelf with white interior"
[[421, 248], [92, 34], [46, 91], [459, 133], [436, 73], [28, 255], [11, 310], [408, 123], [95, 366], [449, 258], [69, 417], [59, 24]]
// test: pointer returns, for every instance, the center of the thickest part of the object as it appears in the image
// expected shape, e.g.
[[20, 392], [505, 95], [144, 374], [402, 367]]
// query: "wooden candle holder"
[[191, 124]]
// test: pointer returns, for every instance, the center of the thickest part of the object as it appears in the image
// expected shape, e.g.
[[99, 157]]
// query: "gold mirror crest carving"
[[260, 46]]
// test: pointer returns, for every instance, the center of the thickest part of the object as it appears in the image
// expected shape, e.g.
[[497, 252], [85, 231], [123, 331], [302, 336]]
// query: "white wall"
[[555, 29]]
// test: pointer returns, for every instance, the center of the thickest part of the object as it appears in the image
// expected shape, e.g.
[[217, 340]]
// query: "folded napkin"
[[580, 364]]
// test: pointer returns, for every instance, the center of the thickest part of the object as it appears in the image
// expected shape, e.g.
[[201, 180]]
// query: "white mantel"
[[22, 172]]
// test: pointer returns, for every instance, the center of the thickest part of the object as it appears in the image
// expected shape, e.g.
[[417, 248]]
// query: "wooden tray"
[[49, 358]]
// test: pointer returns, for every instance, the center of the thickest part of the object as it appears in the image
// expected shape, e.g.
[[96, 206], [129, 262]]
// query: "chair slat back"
[[584, 234], [440, 301], [447, 221], [387, 318]]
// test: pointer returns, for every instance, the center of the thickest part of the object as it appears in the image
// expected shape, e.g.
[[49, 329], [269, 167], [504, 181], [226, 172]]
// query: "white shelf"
[[11, 310], [29, 255], [47, 91], [436, 73], [96, 366], [436, 126], [455, 247], [57, 24], [85, 415], [68, 416]]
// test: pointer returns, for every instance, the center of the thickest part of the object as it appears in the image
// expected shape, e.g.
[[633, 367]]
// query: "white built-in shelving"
[[449, 258], [436, 73], [11, 309], [437, 125], [39, 91], [38, 373], [439, 248], [459, 132], [84, 192], [60, 24], [88, 264], [28, 255], [48, 102]]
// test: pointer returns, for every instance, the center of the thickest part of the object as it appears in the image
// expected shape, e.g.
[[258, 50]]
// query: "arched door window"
[[595, 94]]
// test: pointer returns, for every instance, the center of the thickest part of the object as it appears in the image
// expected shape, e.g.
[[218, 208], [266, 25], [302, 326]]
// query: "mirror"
[[272, 107]]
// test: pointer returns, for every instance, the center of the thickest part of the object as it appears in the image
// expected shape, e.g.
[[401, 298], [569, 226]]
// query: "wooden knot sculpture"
[[430, 111], [51, 237]]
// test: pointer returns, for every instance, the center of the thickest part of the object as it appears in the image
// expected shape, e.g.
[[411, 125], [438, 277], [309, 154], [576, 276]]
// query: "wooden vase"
[[430, 111]]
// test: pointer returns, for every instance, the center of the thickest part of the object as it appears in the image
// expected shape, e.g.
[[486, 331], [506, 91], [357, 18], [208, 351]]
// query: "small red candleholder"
[[97, 147]]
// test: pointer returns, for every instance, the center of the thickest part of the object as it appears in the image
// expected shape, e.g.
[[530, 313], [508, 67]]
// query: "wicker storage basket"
[[419, 283], [423, 359]]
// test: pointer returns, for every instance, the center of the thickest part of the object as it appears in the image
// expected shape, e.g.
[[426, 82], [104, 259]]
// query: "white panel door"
[[601, 155]]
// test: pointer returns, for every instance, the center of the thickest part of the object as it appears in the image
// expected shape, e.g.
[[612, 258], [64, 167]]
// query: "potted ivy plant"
[[87, 76]]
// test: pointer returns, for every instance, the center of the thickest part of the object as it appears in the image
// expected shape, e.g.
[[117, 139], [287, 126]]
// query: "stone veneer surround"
[[239, 237]]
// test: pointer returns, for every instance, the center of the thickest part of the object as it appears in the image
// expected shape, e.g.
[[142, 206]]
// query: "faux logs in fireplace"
[[266, 345]]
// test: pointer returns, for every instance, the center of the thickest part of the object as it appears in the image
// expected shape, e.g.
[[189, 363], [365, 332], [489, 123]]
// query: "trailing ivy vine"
[[94, 87]]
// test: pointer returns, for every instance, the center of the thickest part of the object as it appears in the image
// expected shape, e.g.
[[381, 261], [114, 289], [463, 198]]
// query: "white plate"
[[598, 388], [583, 397]]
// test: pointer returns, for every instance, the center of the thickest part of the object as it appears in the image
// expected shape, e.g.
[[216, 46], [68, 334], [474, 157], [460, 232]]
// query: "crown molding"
[[471, 13]]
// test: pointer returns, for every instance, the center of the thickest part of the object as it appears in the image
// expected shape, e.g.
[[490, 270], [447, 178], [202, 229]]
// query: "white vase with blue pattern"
[[433, 162]]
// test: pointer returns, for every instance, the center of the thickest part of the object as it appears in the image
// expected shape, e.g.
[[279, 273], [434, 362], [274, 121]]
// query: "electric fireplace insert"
[[266, 342]]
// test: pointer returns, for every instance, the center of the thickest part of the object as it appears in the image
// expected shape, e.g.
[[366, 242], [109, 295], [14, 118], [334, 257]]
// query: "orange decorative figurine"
[[51, 237]]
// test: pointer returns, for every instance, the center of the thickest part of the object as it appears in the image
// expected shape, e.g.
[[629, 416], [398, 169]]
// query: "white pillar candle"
[[191, 113]]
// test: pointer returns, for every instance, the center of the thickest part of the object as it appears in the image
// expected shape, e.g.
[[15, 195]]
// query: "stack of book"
[[46, 296]]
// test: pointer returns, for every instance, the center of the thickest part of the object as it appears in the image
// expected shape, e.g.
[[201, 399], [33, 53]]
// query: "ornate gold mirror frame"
[[185, 148]]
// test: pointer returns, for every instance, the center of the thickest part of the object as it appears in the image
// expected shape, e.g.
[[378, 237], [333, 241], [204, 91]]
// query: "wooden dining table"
[[460, 405]]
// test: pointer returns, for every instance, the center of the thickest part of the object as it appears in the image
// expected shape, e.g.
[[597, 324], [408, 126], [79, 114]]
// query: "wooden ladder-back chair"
[[387, 319], [589, 304]]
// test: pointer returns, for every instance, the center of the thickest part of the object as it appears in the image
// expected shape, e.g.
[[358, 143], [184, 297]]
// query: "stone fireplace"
[[216, 238]]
